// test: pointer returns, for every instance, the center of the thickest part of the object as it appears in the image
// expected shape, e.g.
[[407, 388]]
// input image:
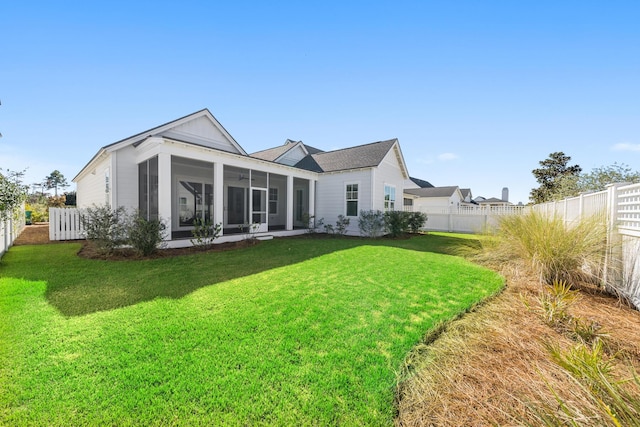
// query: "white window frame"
[[347, 199], [390, 205]]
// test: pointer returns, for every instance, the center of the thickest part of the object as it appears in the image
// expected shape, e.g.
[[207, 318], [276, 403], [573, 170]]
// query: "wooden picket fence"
[[65, 224]]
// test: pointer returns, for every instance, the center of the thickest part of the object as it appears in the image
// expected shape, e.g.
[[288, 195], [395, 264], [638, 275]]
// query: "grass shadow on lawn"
[[77, 286]]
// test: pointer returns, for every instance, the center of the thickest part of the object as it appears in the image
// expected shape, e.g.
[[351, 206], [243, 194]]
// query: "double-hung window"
[[389, 198], [352, 199]]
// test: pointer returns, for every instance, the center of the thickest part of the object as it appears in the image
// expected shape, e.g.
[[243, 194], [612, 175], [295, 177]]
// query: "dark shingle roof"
[[465, 192], [432, 192], [421, 182], [361, 156]]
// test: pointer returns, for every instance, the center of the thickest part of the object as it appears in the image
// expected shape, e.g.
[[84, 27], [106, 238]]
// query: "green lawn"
[[291, 331]]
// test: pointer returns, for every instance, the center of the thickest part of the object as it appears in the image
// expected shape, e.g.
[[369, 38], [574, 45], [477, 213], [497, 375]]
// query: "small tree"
[[552, 171], [55, 180], [598, 178]]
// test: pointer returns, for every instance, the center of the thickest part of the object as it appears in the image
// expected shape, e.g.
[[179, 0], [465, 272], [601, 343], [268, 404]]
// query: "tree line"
[[559, 180]]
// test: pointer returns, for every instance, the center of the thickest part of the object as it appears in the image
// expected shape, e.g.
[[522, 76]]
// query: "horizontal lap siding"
[[331, 196], [388, 173]]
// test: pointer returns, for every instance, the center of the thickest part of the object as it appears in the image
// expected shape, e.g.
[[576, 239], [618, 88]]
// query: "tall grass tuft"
[[608, 402], [553, 304], [555, 250]]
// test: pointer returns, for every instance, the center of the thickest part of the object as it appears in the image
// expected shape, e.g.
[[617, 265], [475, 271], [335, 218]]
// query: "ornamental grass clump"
[[554, 249], [599, 398]]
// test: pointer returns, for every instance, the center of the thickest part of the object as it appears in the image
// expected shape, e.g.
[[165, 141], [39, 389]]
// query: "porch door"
[[259, 208]]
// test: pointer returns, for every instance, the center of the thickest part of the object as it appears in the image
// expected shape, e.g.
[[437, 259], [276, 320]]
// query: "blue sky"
[[478, 92]]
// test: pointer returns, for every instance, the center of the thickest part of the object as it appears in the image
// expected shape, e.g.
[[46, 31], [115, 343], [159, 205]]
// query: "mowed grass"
[[289, 332]]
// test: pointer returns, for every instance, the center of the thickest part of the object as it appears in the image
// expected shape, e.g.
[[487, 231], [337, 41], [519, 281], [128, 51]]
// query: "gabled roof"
[[433, 191], [275, 153], [138, 138], [168, 130], [271, 154], [361, 156], [465, 192], [421, 182]]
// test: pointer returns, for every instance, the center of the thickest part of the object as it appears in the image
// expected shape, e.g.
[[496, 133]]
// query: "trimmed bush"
[[145, 236], [397, 222], [416, 221], [371, 223], [204, 233], [106, 228]]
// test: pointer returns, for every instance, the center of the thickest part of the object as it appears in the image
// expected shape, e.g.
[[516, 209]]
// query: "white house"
[[434, 199], [192, 168]]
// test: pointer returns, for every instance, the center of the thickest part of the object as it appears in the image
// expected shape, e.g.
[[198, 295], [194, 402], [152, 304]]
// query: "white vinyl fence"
[[467, 219], [11, 229], [620, 206], [65, 224]]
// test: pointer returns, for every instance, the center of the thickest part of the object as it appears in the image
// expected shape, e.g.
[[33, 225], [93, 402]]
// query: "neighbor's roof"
[[492, 200], [433, 191], [421, 182], [361, 156], [465, 192]]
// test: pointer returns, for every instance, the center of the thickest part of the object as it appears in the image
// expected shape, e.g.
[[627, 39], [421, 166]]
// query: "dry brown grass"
[[492, 368]]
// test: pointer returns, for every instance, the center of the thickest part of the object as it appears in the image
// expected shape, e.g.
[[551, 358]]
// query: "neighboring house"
[[192, 169], [493, 202], [434, 198], [421, 183], [467, 197]]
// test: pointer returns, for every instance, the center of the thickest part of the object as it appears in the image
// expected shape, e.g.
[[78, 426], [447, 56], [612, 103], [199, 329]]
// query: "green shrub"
[[204, 233], [415, 221], [555, 250], [396, 222], [371, 223], [106, 228], [39, 212], [311, 223], [145, 236], [340, 228]]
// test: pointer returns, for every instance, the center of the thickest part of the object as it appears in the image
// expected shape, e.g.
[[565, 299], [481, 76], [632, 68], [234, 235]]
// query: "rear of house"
[[192, 169]]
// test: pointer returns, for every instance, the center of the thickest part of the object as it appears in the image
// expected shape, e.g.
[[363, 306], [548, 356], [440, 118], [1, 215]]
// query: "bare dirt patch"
[[35, 234]]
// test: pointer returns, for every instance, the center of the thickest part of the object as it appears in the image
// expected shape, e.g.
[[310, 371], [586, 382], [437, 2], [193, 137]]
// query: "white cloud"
[[445, 157], [625, 146]]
